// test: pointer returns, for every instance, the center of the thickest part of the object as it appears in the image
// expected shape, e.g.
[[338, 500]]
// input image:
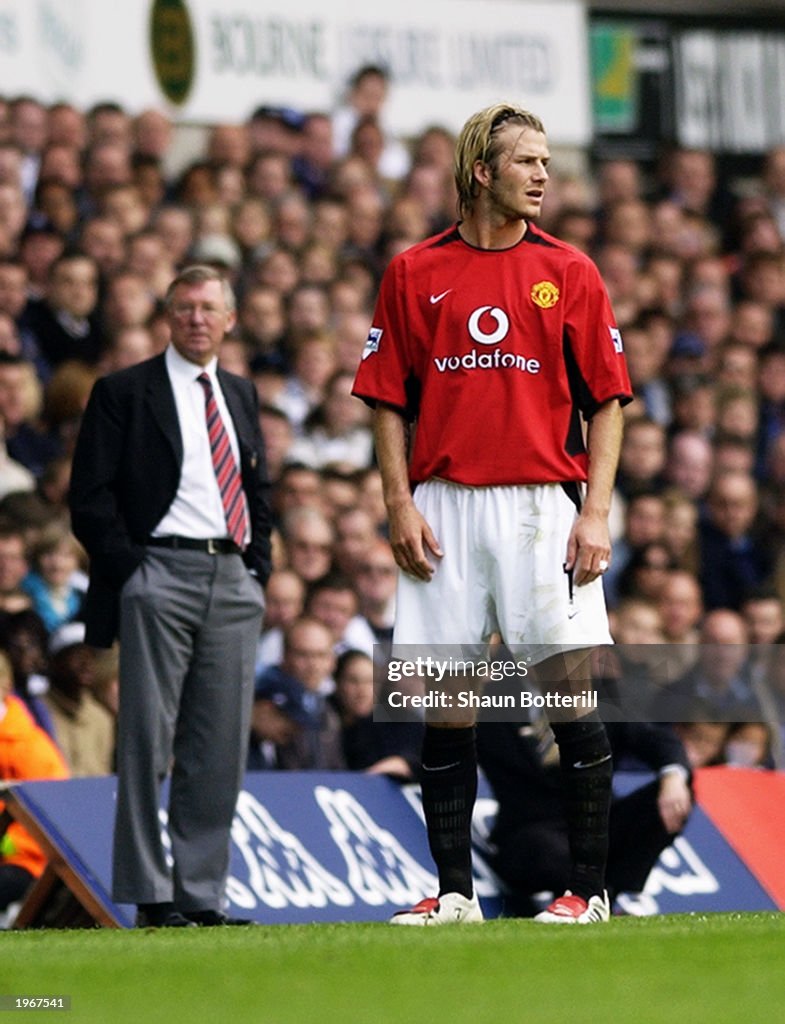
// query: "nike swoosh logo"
[[438, 298], [592, 764], [442, 767]]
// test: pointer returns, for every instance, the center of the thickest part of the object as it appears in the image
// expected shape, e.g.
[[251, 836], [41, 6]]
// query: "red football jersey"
[[496, 354]]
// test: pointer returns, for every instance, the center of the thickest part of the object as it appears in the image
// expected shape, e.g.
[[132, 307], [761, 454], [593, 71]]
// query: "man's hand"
[[588, 548], [674, 801], [411, 537]]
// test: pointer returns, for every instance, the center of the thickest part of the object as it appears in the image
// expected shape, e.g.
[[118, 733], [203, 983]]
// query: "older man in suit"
[[170, 497]]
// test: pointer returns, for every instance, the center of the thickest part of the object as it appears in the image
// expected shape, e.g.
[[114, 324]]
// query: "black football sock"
[[449, 789], [586, 773]]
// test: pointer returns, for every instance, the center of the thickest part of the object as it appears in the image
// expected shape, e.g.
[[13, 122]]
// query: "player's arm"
[[589, 542], [410, 534]]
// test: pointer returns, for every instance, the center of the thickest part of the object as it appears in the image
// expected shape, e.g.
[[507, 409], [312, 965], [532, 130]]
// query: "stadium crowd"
[[303, 211]]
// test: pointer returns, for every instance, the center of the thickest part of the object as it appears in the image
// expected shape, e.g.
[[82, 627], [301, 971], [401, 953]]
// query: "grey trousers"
[[189, 623]]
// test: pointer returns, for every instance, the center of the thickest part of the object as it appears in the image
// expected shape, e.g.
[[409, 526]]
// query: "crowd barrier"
[[339, 846]]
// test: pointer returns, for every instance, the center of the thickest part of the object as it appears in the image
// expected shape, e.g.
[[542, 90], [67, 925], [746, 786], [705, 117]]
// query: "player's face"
[[518, 174]]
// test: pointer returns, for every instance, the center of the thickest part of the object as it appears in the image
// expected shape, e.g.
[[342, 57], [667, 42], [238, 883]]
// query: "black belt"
[[212, 545]]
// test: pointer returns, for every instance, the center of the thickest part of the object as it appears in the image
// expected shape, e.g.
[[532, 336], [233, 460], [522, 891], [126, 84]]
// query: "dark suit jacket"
[[126, 471]]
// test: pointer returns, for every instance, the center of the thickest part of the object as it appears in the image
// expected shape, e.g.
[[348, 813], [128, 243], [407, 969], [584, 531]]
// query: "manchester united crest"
[[545, 294]]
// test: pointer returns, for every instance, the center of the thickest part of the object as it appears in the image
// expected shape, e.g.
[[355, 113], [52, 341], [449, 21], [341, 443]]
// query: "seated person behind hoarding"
[[170, 497], [530, 836], [84, 729], [380, 748], [283, 710], [24, 638], [26, 752], [720, 679], [497, 337], [306, 669]]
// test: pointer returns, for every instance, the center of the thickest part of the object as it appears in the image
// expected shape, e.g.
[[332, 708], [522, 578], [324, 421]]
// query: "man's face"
[[13, 564], [516, 178], [15, 382], [74, 287], [733, 505], [308, 654], [103, 242], [198, 318], [377, 576], [335, 609], [284, 594], [13, 290]]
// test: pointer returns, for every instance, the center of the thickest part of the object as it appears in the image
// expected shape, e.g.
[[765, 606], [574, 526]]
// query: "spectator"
[[646, 571], [355, 536], [704, 742], [65, 323], [376, 578], [680, 531], [298, 487], [102, 240], [689, 464], [27, 442], [333, 601], [26, 753], [366, 97], [308, 539], [644, 523], [278, 435], [748, 745], [84, 728], [53, 583], [306, 669], [338, 430], [379, 748], [311, 166], [285, 594], [13, 569], [719, 682], [24, 638], [732, 560], [284, 716]]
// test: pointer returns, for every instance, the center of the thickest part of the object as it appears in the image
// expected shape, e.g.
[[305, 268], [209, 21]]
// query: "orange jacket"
[[26, 753]]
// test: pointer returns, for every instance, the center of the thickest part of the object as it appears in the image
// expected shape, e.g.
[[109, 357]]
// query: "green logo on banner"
[[614, 78], [172, 48]]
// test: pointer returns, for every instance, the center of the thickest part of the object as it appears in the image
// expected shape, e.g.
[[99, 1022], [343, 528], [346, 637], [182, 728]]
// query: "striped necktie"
[[226, 472]]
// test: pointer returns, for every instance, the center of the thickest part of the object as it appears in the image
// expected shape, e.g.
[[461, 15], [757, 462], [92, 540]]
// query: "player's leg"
[[440, 616], [556, 624], [586, 769]]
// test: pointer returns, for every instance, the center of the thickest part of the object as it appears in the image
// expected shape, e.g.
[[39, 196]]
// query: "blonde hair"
[[478, 141]]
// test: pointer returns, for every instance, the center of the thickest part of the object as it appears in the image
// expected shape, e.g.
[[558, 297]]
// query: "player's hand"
[[588, 548], [674, 801], [410, 538]]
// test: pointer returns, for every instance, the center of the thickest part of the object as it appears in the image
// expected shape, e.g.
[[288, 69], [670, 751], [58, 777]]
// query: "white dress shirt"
[[197, 510]]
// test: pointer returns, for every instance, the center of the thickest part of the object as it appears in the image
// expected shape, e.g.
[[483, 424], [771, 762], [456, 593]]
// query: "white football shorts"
[[502, 571]]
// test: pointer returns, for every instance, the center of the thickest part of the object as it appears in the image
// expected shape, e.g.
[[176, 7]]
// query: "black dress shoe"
[[214, 918], [161, 915]]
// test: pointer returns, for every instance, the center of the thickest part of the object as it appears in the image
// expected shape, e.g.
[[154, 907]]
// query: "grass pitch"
[[681, 968]]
